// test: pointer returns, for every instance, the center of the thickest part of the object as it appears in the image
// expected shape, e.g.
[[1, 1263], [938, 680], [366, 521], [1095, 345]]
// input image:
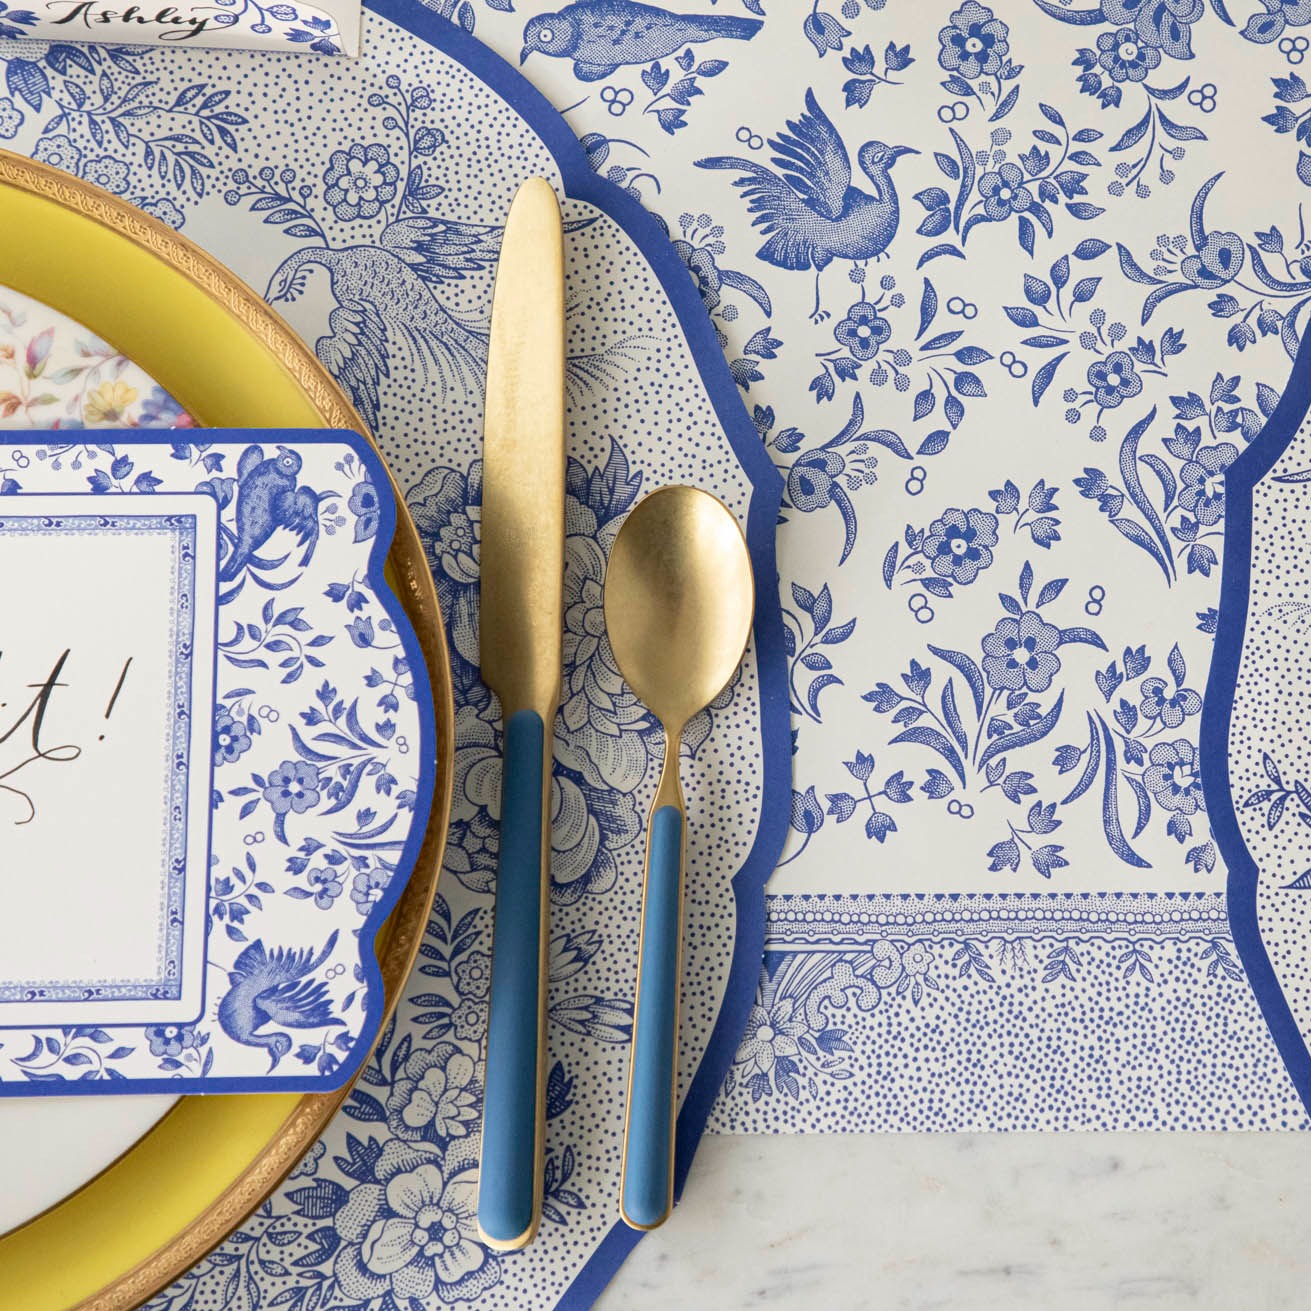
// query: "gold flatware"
[[679, 599], [521, 632]]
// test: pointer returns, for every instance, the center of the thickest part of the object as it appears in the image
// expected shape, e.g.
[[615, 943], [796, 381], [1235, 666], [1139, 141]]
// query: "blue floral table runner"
[[1008, 291]]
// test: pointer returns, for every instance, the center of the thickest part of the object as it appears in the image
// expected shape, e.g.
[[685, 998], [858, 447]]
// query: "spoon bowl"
[[679, 600]]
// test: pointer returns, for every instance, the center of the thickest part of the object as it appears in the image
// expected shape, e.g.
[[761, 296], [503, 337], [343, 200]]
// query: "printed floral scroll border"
[[836, 966]]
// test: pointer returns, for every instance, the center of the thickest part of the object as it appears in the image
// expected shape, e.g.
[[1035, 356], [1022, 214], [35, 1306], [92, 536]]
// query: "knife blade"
[[521, 632]]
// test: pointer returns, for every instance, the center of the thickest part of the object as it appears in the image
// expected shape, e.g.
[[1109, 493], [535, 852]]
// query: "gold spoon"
[[679, 599]]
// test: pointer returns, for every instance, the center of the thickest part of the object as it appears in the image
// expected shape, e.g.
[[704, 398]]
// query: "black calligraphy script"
[[25, 734], [171, 23]]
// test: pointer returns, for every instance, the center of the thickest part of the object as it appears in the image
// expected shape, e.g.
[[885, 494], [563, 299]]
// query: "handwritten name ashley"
[[25, 737], [177, 24]]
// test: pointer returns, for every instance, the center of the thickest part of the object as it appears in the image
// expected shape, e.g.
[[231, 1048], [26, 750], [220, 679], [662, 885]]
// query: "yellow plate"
[[214, 346]]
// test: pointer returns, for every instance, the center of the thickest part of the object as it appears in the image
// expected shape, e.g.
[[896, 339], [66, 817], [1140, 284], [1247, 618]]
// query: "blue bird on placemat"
[[386, 299], [268, 499], [599, 35], [271, 987], [809, 210]]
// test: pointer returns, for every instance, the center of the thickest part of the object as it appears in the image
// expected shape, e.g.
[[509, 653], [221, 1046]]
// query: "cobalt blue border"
[[581, 183], [373, 922], [183, 532], [1217, 710]]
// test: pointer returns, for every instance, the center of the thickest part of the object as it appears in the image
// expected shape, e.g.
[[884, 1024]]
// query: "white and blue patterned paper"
[[1062, 334], [368, 206], [1008, 290], [216, 852]]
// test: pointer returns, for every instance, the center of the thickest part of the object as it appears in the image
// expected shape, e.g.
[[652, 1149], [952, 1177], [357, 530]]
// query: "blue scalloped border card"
[[222, 844]]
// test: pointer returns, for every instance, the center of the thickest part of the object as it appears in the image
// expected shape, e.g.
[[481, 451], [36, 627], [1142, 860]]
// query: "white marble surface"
[[976, 1222]]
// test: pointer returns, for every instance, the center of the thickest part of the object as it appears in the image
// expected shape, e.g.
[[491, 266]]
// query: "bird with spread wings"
[[387, 299], [810, 210]]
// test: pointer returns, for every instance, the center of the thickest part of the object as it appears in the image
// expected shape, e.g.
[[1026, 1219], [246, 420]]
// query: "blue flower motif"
[[360, 631], [471, 849], [1114, 379], [413, 1232], [231, 740], [363, 504], [293, 786], [109, 173], [427, 140], [1161, 24], [1020, 653], [160, 410], [473, 975], [1125, 57], [957, 544], [446, 505], [807, 814], [326, 886], [1173, 777], [863, 331], [162, 208], [917, 960], [437, 1096], [469, 1020], [367, 887], [11, 118], [170, 1039], [1170, 705], [1218, 260], [1266, 27], [813, 479], [974, 43], [770, 1036], [59, 152], [1201, 481], [605, 743], [700, 263], [358, 182], [1004, 192]]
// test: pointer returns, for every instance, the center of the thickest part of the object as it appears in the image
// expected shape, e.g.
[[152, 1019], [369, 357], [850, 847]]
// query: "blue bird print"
[[268, 499], [272, 987], [385, 300], [599, 35], [809, 210]]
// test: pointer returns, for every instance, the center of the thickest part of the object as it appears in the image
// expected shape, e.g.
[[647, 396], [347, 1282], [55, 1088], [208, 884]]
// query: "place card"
[[216, 758], [106, 697], [326, 27]]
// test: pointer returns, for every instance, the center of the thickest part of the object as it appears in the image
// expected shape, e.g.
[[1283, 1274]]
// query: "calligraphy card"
[[216, 759], [326, 27]]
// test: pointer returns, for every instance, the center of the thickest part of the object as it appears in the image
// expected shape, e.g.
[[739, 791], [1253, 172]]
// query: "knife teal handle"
[[647, 1190], [510, 1176]]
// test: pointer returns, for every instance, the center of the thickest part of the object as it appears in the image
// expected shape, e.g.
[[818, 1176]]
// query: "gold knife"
[[521, 632]]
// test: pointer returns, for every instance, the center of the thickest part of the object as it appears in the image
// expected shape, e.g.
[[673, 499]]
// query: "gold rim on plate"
[[168, 306]]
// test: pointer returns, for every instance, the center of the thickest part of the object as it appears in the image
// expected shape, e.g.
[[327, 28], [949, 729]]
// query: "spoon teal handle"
[[510, 1176], [647, 1186]]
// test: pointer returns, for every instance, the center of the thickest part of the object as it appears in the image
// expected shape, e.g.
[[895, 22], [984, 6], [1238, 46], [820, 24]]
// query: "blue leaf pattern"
[[1006, 299]]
